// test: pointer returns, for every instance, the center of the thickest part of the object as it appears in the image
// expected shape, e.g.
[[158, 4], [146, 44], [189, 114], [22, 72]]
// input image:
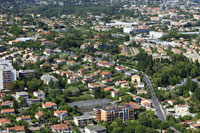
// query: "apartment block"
[[110, 113], [7, 74]]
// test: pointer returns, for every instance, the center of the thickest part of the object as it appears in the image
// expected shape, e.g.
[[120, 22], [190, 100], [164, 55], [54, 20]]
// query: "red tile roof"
[[4, 120], [7, 110], [17, 128], [60, 111], [60, 127]]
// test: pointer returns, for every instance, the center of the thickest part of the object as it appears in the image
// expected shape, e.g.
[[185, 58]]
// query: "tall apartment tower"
[[7, 74]]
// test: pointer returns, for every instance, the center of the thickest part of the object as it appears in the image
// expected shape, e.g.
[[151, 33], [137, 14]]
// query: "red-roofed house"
[[17, 129], [7, 111], [119, 83], [24, 118], [115, 93], [108, 89], [7, 103], [4, 121], [61, 128], [60, 113], [106, 74], [49, 105], [38, 115], [146, 103]]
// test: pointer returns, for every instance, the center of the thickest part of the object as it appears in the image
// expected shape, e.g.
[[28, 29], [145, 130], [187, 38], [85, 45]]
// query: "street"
[[156, 104]]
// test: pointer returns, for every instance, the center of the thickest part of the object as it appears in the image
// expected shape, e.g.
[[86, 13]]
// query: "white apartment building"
[[7, 74]]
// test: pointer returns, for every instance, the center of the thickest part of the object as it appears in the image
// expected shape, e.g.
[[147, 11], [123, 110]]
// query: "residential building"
[[7, 103], [7, 74], [95, 129], [49, 105], [4, 121], [39, 94], [38, 115], [106, 74], [24, 118], [21, 94], [60, 113], [156, 35], [17, 129], [32, 101], [26, 73], [61, 128], [110, 113], [47, 78], [83, 120], [7, 111]]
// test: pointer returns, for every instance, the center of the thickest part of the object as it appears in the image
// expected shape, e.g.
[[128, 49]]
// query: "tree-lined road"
[[160, 112], [156, 104]]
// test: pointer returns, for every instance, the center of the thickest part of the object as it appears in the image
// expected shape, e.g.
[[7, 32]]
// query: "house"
[[108, 89], [49, 105], [38, 115], [181, 108], [4, 121], [61, 61], [141, 91], [32, 101], [47, 78], [47, 43], [34, 129], [106, 74], [26, 73], [39, 94], [125, 85], [47, 52], [72, 80], [60, 113], [83, 120], [106, 81], [120, 69], [95, 129], [115, 93], [7, 103], [17, 129], [118, 83], [146, 103], [24, 118], [195, 126], [61, 128], [21, 94], [104, 64], [7, 111], [135, 79], [2, 94]]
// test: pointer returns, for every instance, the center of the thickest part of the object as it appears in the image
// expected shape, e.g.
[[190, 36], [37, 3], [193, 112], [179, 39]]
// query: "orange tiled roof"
[[60, 127], [61, 111], [4, 120], [17, 128], [7, 110]]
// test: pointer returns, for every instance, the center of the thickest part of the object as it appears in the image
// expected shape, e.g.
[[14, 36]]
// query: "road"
[[156, 104], [160, 112]]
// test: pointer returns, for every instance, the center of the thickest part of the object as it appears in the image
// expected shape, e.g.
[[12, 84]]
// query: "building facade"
[[7, 74], [110, 113]]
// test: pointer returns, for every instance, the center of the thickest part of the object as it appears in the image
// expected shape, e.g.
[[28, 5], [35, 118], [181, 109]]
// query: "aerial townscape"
[[99, 66]]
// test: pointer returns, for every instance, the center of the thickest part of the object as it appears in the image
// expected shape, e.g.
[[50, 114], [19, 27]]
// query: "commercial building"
[[7, 74], [110, 113]]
